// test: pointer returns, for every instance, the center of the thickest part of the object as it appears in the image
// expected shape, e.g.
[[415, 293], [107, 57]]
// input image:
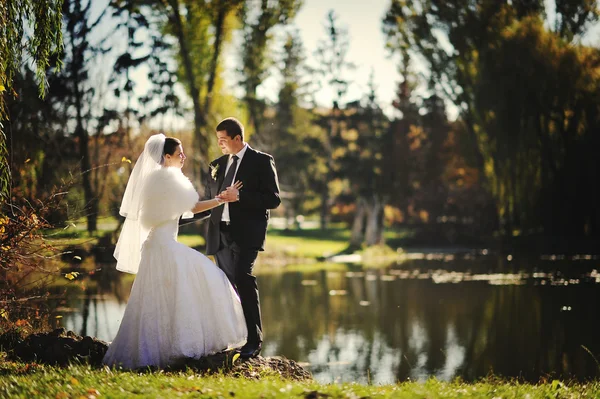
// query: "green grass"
[[18, 380], [309, 243], [293, 244], [191, 240], [303, 267], [283, 248]]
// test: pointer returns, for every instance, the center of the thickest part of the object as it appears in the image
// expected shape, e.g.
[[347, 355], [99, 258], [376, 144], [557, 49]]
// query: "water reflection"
[[412, 321]]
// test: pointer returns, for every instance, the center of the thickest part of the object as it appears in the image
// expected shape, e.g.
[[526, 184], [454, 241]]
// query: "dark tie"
[[226, 183], [229, 176]]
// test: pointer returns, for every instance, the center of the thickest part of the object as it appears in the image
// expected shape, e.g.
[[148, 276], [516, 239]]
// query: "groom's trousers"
[[237, 263]]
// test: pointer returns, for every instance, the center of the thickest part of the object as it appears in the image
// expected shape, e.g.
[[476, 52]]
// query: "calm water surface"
[[444, 316]]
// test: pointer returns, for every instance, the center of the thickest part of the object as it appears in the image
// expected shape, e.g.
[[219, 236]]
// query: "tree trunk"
[[5, 177], [219, 33], [374, 231], [358, 225], [91, 202], [324, 217], [328, 174], [200, 139]]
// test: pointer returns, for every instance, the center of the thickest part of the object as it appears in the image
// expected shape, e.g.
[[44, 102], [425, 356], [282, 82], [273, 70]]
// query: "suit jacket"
[[250, 215]]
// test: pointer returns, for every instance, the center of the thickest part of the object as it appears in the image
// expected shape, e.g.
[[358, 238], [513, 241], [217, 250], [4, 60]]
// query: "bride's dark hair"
[[171, 143]]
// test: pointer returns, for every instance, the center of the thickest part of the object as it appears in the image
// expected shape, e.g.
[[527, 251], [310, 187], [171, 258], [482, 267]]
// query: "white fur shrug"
[[167, 194]]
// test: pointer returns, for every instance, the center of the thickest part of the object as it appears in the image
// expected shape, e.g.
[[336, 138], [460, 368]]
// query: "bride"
[[181, 304]]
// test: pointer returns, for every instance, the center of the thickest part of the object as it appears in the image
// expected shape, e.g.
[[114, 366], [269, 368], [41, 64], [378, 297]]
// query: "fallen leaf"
[[71, 276]]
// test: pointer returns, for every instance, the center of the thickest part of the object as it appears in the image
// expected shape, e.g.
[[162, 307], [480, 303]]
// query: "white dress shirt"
[[240, 155]]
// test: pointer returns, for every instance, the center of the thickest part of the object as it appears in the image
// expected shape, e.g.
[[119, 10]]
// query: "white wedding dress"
[[181, 304]]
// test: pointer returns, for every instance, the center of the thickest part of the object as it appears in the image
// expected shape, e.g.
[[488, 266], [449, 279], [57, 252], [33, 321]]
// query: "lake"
[[432, 315]]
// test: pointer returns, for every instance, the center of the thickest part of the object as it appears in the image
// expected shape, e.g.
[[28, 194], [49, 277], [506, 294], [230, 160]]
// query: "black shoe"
[[250, 350]]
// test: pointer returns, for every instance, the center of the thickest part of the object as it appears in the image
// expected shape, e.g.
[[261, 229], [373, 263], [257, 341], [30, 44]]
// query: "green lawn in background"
[[297, 246]]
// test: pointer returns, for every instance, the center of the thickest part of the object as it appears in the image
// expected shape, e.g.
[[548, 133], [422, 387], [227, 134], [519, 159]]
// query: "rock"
[[9, 340], [286, 368], [61, 348], [252, 368], [58, 332], [58, 347]]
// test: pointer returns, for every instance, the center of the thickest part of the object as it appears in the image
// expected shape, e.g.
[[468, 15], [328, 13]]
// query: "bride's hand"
[[231, 193]]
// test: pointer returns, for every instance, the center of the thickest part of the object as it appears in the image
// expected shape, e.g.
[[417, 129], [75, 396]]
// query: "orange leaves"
[[416, 135], [92, 393], [22, 323]]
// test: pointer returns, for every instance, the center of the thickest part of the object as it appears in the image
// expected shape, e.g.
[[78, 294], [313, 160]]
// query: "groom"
[[237, 230]]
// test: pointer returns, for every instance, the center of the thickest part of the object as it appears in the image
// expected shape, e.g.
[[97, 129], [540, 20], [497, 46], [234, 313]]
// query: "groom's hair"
[[171, 144], [232, 126]]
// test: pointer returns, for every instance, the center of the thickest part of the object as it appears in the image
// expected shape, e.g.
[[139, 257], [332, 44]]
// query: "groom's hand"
[[231, 194]]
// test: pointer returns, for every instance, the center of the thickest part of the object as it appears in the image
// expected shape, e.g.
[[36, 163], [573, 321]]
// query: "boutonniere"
[[213, 171]]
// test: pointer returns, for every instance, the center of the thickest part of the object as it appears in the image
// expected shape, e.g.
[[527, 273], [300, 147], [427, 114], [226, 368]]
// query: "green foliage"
[[363, 146], [257, 24], [361, 161], [198, 32], [521, 92], [35, 126], [16, 18], [4, 168], [331, 55], [574, 17], [333, 67], [293, 137], [538, 136], [19, 16]]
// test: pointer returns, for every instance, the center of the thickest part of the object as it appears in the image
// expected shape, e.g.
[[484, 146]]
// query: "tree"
[[197, 32], [486, 57], [257, 31], [397, 154], [295, 139], [133, 22], [78, 91], [539, 135], [364, 166], [331, 56], [46, 40], [40, 154]]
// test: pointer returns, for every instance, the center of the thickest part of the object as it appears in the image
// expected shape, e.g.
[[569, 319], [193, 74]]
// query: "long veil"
[[128, 249]]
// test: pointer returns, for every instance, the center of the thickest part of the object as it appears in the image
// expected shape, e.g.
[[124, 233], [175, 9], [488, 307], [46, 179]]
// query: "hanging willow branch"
[[44, 19]]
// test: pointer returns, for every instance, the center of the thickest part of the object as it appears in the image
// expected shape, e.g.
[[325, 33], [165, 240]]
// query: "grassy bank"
[[310, 243], [307, 244], [18, 380]]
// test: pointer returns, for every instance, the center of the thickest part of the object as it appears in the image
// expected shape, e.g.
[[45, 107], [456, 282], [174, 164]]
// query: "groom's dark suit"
[[236, 245]]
